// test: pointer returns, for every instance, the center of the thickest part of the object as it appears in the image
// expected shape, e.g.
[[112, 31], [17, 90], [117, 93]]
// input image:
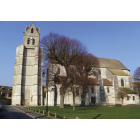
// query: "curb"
[[25, 113], [28, 114]]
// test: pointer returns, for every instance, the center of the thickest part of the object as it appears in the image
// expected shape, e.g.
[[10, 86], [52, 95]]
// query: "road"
[[8, 112]]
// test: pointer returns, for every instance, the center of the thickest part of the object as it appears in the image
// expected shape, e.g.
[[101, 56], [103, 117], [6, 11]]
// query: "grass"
[[95, 112]]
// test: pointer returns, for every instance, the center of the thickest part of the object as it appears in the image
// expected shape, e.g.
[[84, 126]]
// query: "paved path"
[[31, 114], [8, 112]]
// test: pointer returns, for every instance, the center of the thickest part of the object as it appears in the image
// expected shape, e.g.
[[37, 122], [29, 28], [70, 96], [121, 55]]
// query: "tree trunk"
[[62, 101], [74, 99]]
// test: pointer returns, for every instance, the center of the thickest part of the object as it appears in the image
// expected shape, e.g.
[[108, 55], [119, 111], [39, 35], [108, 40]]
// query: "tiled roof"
[[59, 79], [91, 81], [118, 72], [111, 63], [127, 91], [107, 82]]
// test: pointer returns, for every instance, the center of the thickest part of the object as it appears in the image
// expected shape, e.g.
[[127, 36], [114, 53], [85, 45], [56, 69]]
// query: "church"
[[113, 78]]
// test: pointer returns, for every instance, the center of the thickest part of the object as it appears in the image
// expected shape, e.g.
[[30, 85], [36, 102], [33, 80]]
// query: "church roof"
[[127, 91], [118, 72], [111, 64], [91, 81]]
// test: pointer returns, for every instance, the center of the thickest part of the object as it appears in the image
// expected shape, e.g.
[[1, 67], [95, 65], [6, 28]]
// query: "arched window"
[[58, 70], [32, 30], [33, 41], [99, 72], [28, 41], [92, 90], [107, 89], [122, 82]]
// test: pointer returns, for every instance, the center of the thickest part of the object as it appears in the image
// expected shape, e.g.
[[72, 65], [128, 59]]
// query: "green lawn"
[[92, 112]]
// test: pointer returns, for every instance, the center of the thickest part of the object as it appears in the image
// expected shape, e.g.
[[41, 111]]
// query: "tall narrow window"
[[33, 41], [58, 70], [122, 82], [28, 41], [133, 98], [92, 90], [107, 89], [99, 71], [32, 30]]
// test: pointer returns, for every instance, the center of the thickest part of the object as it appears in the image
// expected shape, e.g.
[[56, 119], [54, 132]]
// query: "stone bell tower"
[[27, 79]]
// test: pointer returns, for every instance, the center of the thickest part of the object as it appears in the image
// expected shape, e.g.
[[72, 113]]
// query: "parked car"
[[0, 107]]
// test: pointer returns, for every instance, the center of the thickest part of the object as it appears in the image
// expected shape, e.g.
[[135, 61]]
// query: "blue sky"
[[107, 39]]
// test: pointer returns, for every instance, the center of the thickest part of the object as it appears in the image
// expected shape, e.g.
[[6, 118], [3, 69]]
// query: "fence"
[[55, 115]]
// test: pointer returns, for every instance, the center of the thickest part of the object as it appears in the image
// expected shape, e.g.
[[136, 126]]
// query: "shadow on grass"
[[97, 116]]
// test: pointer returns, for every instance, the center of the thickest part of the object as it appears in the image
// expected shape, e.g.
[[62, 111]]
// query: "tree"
[[62, 50], [137, 74], [121, 95], [87, 65], [136, 78]]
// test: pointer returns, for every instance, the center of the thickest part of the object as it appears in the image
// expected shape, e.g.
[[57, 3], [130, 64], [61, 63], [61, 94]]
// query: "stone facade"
[[27, 79], [113, 77]]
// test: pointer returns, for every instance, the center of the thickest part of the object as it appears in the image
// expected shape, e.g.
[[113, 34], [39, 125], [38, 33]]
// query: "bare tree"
[[121, 95], [62, 50], [137, 74], [84, 66]]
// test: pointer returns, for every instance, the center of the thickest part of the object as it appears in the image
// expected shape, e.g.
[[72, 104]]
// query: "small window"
[[32, 30], [99, 72], [28, 41], [33, 41], [92, 90], [107, 89], [133, 98], [122, 82], [127, 97], [58, 70], [77, 91]]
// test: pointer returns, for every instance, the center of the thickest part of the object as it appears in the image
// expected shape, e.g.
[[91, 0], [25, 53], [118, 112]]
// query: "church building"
[[113, 78], [112, 86]]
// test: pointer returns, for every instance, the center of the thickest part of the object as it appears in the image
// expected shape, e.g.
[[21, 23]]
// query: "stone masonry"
[[27, 79]]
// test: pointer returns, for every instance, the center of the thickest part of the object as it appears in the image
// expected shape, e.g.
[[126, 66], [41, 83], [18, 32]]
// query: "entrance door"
[[27, 97], [93, 100]]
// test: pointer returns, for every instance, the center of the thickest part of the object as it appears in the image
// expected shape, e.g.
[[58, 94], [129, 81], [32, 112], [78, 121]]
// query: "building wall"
[[27, 79], [110, 98]]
